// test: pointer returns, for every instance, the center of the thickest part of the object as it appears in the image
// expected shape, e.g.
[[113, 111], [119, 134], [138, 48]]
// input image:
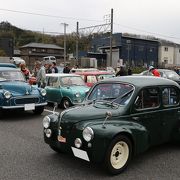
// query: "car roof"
[[7, 65], [93, 73], [141, 81], [162, 70], [8, 69], [62, 75], [165, 70]]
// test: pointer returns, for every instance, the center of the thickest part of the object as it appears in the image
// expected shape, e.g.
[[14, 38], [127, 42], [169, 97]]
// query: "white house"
[[169, 54]]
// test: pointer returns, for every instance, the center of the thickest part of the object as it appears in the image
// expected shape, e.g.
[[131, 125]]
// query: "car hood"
[[89, 113], [80, 89], [17, 88]]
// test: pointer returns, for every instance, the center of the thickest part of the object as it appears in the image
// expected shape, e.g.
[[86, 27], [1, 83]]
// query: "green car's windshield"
[[11, 76], [70, 80], [118, 93]]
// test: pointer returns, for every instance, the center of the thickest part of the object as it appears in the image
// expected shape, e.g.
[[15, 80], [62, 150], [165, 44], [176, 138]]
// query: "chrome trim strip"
[[22, 106]]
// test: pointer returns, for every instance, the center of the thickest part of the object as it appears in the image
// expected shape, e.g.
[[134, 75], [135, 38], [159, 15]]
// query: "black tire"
[[118, 154], [55, 149], [66, 103], [38, 110]]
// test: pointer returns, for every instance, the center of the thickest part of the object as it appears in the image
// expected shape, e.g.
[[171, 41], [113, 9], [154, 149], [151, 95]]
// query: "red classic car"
[[91, 78]]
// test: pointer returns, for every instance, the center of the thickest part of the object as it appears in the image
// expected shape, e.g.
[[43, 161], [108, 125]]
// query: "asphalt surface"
[[25, 156]]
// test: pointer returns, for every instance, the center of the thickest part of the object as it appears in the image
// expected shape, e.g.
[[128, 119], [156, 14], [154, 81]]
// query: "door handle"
[[136, 118]]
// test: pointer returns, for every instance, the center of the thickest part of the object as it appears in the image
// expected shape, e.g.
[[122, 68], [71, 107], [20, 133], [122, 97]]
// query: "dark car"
[[123, 117], [16, 93], [165, 73]]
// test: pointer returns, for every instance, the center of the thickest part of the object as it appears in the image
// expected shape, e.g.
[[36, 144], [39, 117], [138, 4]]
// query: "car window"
[[170, 96], [172, 75], [70, 80], [104, 76], [112, 92], [53, 81], [91, 79], [11, 76], [147, 98]]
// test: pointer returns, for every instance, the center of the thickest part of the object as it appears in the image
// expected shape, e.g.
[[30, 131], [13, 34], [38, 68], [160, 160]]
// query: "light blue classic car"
[[16, 93], [65, 89]]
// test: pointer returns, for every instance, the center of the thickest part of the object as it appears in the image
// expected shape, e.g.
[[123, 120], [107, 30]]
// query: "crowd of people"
[[42, 68]]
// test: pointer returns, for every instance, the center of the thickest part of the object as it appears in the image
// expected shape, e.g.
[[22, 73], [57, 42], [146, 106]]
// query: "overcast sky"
[[160, 18]]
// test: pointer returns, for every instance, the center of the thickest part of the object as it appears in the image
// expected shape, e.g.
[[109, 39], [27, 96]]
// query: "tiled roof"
[[41, 45]]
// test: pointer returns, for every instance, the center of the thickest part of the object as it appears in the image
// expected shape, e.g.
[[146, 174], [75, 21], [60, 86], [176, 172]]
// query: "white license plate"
[[80, 153], [28, 107]]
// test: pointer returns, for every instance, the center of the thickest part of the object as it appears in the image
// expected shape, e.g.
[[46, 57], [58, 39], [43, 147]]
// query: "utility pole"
[[111, 38], [128, 48], [65, 25], [77, 42]]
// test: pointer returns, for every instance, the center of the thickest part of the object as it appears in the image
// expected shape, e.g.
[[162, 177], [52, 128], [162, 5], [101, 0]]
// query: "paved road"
[[25, 156]]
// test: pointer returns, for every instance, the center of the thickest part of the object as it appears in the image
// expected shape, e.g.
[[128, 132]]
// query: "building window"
[[165, 48], [34, 49], [179, 50]]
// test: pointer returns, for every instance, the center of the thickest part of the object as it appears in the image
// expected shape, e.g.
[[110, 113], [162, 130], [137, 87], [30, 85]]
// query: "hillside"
[[22, 37]]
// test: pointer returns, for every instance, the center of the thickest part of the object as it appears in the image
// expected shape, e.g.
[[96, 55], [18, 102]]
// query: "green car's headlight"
[[78, 95], [46, 122], [43, 92], [7, 94], [88, 134]]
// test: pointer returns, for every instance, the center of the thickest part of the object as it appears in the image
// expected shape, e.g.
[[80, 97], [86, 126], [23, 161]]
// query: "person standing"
[[129, 71], [41, 74], [25, 71], [66, 69], [121, 72], [54, 68], [154, 71]]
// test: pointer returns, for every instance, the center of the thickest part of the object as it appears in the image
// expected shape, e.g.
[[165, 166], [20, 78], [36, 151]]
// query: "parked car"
[[65, 89], [73, 70], [123, 117], [16, 93], [8, 65], [111, 69], [165, 73], [90, 78]]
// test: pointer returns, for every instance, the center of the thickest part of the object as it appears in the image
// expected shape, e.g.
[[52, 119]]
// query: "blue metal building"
[[133, 51]]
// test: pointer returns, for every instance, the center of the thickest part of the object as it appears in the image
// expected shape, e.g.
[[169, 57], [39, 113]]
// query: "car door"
[[146, 112], [53, 89], [170, 111]]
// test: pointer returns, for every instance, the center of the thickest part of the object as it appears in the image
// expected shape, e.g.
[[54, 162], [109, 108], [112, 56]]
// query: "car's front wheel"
[[38, 110], [66, 103], [118, 154]]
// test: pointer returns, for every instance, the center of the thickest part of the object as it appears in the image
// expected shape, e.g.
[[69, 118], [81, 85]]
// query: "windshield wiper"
[[122, 96], [106, 102]]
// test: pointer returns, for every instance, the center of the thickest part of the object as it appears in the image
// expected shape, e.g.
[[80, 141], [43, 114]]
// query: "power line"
[[84, 19], [141, 30], [47, 15]]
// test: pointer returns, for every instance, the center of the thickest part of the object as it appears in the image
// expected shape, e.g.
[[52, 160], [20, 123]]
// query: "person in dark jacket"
[[54, 68], [66, 69], [121, 72], [129, 71]]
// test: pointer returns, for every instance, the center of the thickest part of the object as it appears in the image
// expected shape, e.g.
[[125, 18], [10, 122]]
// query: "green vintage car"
[[65, 89], [122, 117]]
